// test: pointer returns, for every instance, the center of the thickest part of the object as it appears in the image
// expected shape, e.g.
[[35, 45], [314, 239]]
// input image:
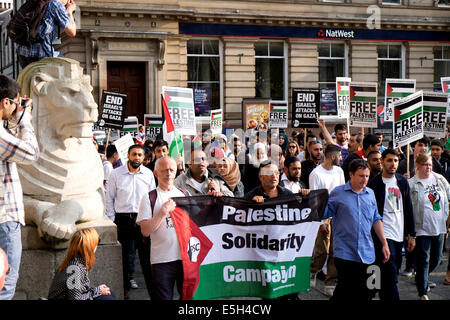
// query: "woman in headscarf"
[[228, 169], [283, 141], [251, 168]]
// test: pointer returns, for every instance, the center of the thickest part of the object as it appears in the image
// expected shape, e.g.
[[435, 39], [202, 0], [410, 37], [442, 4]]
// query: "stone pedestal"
[[40, 262]]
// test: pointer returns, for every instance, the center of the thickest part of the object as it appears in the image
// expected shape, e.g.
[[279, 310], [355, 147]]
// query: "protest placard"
[[122, 144], [216, 121], [435, 106], [233, 247], [343, 97], [202, 101], [180, 103], [445, 85], [153, 125], [130, 126], [396, 89], [278, 116], [408, 119], [113, 110], [363, 104], [305, 108]]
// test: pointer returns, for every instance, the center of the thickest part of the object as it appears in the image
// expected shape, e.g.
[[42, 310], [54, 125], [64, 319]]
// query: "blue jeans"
[[428, 254], [389, 272], [11, 242]]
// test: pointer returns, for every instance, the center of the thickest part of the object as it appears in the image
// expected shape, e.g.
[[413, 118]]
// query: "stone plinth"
[[40, 262]]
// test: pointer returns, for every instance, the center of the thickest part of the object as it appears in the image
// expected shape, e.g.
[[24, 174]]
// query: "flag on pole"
[[170, 135]]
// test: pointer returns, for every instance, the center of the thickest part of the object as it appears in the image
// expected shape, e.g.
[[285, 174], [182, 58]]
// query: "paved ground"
[[407, 286]]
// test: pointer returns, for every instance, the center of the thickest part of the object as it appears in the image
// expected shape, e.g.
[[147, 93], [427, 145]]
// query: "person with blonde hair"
[[71, 282], [430, 193]]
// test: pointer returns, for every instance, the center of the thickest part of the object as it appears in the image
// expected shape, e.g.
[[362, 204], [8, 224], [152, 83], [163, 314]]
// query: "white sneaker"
[[424, 297], [329, 291], [133, 284], [312, 280]]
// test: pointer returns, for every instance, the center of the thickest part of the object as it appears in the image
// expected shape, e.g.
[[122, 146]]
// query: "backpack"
[[23, 28], [153, 195]]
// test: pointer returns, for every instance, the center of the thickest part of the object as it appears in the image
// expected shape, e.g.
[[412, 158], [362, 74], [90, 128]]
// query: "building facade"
[[256, 49]]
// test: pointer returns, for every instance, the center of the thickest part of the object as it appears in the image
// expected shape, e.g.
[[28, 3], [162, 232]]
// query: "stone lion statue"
[[65, 186]]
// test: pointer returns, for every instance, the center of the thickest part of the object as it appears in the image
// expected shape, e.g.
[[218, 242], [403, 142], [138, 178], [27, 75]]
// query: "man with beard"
[[340, 132], [355, 142], [328, 175], [125, 189], [392, 193], [374, 162], [316, 152], [290, 178]]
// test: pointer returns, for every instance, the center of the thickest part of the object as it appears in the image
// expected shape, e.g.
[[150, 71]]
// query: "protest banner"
[[408, 119], [328, 102], [343, 97], [153, 125], [256, 113], [130, 126], [435, 106], [305, 108], [231, 247], [445, 85], [278, 116], [181, 108], [202, 101], [113, 110], [216, 121], [396, 89], [122, 144], [363, 104]]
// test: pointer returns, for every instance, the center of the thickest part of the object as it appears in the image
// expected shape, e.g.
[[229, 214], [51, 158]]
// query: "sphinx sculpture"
[[65, 186]]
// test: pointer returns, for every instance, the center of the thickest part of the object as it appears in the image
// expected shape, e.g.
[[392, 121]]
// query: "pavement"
[[406, 285]]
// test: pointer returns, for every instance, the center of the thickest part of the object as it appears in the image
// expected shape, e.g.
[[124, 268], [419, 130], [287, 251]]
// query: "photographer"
[[22, 148], [59, 13]]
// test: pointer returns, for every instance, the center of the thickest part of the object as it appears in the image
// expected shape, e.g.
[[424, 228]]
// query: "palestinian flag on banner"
[[170, 135], [396, 89], [342, 94], [435, 114], [363, 104], [233, 247], [130, 125], [445, 82], [407, 130]]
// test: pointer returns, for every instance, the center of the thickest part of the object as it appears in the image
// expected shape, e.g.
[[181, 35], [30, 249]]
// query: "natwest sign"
[[336, 33]]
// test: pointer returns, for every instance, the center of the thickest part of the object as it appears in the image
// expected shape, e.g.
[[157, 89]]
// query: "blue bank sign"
[[205, 29]]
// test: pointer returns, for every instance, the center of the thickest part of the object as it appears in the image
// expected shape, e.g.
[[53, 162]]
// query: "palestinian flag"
[[169, 133], [396, 89], [342, 96], [408, 119], [445, 82], [130, 125], [435, 113], [233, 247], [363, 104]]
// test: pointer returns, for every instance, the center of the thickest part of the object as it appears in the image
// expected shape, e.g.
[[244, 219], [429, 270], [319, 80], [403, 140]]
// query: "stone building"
[[252, 48]]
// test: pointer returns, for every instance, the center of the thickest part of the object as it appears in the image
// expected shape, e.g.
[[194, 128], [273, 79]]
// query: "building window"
[[443, 3], [391, 2], [441, 65], [390, 65], [270, 70], [332, 63], [204, 69]]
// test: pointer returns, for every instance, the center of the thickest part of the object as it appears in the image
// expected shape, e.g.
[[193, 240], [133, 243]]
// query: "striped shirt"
[[56, 15], [22, 149]]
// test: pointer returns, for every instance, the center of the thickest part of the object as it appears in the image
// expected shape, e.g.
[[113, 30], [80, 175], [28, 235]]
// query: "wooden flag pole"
[[107, 139]]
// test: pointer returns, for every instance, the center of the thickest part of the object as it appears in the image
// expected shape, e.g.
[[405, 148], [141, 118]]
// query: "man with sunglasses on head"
[[18, 144]]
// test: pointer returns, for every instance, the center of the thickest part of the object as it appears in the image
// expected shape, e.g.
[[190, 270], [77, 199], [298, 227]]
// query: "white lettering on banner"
[[279, 213], [264, 276]]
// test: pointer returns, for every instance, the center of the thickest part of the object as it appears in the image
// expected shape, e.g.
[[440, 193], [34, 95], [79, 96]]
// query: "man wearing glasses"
[[17, 144]]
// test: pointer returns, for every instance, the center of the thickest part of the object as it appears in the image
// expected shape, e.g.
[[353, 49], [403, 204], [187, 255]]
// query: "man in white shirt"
[[328, 175], [167, 268], [111, 156], [125, 189], [290, 178]]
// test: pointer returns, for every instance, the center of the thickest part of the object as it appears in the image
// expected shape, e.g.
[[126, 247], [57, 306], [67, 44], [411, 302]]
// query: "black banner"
[[113, 110], [305, 108]]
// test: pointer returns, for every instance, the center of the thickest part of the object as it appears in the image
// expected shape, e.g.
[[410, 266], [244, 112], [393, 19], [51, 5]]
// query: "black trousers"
[[127, 233], [164, 276], [351, 282]]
